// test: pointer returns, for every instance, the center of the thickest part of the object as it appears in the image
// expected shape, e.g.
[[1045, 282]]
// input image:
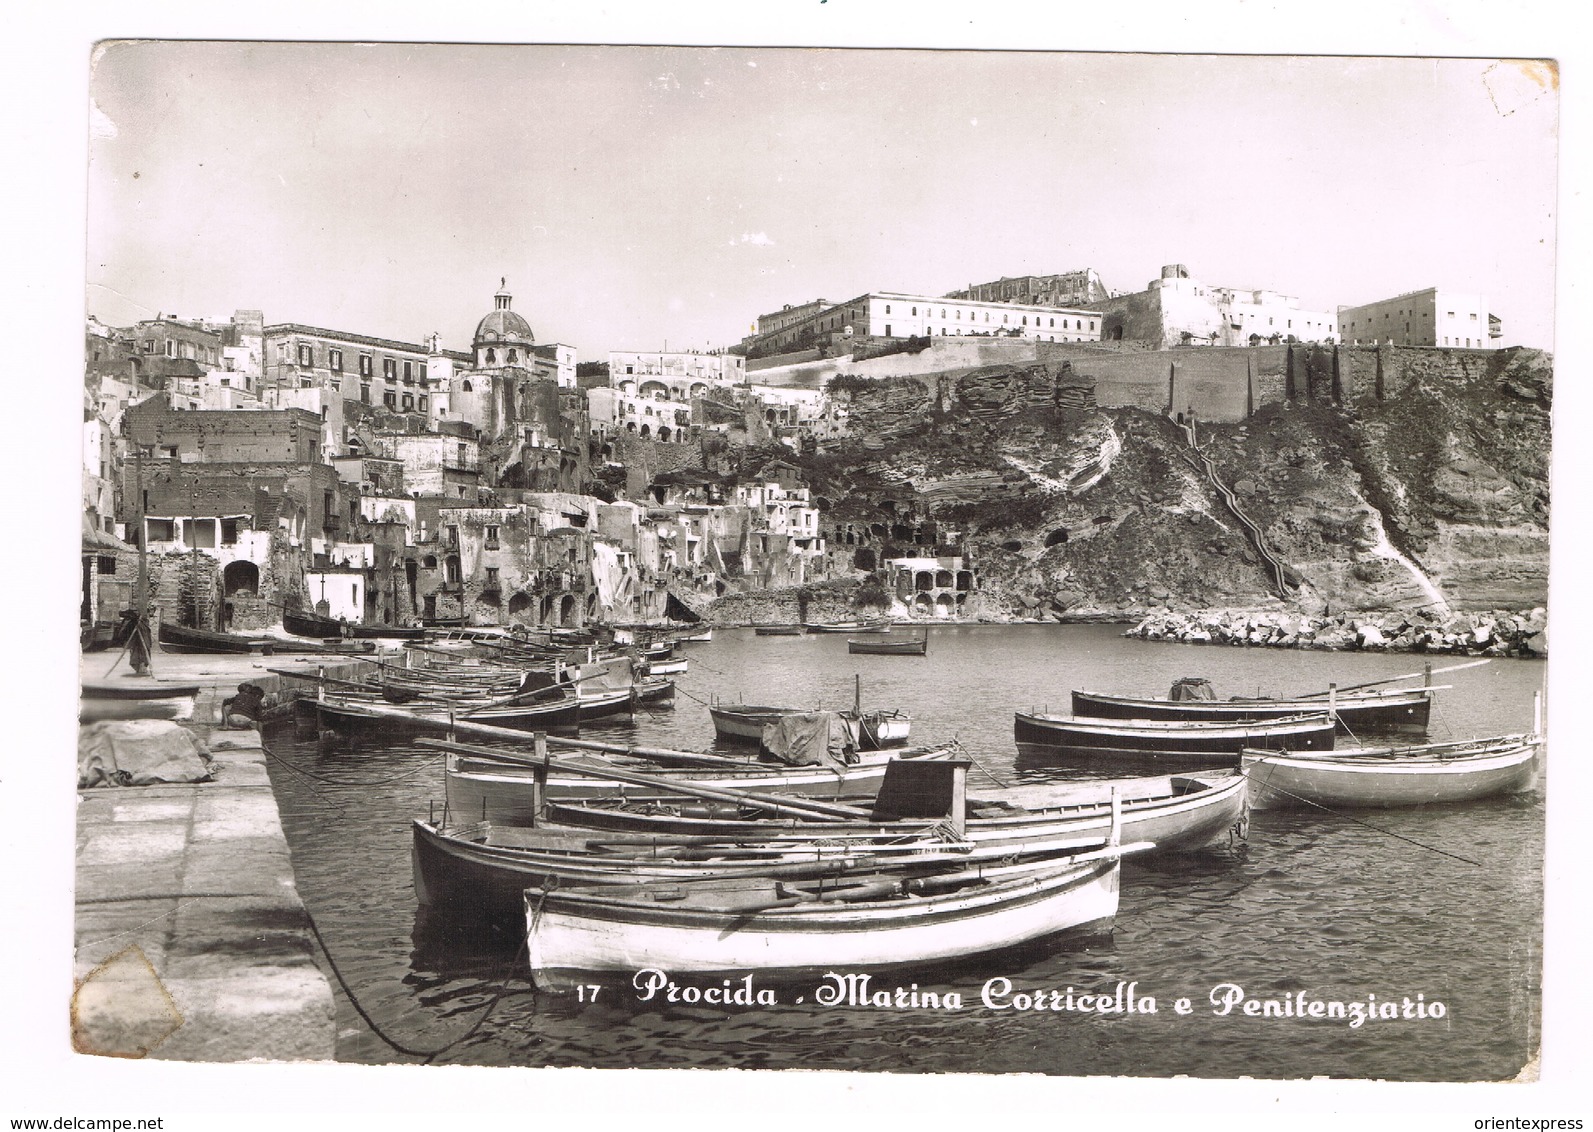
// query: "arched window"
[[511, 357], [464, 387]]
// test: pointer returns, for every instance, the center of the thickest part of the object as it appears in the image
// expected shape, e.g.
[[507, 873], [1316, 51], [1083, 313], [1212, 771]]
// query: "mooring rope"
[[428, 1055], [1358, 821]]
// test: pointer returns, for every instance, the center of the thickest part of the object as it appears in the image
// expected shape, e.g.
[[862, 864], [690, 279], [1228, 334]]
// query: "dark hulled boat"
[[182, 639], [302, 624], [917, 646], [1173, 738], [1402, 710]]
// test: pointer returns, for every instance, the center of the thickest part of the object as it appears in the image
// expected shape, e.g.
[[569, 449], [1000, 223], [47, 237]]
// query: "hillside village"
[[1030, 447]]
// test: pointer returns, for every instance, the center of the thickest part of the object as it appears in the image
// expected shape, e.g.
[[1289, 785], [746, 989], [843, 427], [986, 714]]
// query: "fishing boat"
[[880, 625], [671, 667], [304, 624], [183, 639], [1373, 777], [744, 723], [563, 707], [777, 630], [1190, 700], [915, 646], [695, 638], [1179, 814], [784, 928], [1175, 738], [487, 787], [136, 698]]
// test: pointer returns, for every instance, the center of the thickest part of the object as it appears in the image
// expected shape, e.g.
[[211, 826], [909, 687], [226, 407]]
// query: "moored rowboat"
[[1168, 737], [778, 927], [1403, 710], [1370, 777], [917, 646], [1178, 814]]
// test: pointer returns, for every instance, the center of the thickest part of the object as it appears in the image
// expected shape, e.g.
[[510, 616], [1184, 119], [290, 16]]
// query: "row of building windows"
[[392, 400], [1078, 324], [334, 362]]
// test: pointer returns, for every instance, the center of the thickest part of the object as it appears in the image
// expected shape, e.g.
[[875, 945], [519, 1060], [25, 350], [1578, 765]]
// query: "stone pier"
[[191, 941]]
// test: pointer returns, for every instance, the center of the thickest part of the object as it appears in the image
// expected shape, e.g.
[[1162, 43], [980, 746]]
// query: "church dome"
[[502, 325]]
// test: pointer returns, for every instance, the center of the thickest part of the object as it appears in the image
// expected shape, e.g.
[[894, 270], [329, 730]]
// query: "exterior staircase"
[[1285, 579]]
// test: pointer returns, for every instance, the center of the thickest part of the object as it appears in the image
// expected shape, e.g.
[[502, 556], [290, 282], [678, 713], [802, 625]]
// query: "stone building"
[[1431, 317], [1178, 310], [1070, 289], [930, 586], [895, 314]]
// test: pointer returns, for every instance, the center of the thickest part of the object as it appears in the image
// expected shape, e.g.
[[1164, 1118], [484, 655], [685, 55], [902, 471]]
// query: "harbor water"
[[1433, 915]]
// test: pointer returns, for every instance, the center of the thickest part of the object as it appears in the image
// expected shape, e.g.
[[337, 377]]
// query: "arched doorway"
[[519, 605], [241, 578], [546, 617], [923, 604], [567, 611], [943, 605]]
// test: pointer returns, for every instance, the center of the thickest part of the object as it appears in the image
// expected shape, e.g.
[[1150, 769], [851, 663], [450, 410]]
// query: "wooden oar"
[[1391, 679], [795, 807]]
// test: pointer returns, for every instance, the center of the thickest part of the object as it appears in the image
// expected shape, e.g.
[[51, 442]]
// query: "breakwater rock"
[[1473, 634]]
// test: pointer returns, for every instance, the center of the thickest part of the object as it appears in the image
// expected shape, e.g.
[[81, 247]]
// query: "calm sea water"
[[1444, 903]]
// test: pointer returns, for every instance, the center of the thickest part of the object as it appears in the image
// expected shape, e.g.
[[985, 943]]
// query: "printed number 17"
[[587, 992]]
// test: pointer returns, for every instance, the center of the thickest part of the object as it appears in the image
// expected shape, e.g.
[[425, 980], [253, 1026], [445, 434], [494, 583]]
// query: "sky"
[[651, 197]]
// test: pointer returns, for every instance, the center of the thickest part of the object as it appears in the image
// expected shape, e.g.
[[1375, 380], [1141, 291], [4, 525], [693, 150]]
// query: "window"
[[887, 311], [409, 372], [492, 536], [306, 354], [887, 330], [511, 357], [1473, 316], [409, 401], [229, 532], [390, 399], [365, 365], [464, 387], [107, 564], [389, 368], [365, 394], [334, 361], [492, 357], [423, 371], [492, 578], [915, 310], [422, 402], [171, 347]]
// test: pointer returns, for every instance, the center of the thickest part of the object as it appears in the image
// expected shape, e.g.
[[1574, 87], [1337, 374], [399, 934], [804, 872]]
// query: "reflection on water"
[[1442, 902]]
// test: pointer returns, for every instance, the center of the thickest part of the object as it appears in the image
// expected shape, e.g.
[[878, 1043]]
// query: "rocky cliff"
[[1429, 490]]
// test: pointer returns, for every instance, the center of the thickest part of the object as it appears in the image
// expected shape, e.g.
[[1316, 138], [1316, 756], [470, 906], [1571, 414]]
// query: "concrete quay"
[[191, 941]]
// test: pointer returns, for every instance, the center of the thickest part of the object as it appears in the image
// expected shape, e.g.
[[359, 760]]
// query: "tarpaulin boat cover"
[[812, 738], [1187, 688], [139, 752], [609, 675]]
